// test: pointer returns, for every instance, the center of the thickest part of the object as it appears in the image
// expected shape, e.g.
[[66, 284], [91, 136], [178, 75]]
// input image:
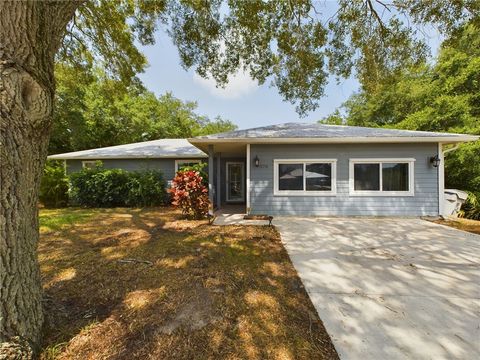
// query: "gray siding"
[[167, 166], [424, 202]]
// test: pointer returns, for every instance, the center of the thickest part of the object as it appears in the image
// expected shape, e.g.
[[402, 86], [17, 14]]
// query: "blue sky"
[[243, 101]]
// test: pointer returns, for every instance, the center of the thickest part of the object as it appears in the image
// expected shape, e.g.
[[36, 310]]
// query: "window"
[[179, 164], [91, 164], [305, 177], [381, 177]]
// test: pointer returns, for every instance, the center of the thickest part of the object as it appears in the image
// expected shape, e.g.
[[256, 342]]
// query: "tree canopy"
[[94, 110], [293, 44], [442, 96]]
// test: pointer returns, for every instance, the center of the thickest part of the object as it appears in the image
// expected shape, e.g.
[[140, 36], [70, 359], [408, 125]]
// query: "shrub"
[[471, 207], [190, 194], [146, 188], [54, 185], [200, 167], [100, 187]]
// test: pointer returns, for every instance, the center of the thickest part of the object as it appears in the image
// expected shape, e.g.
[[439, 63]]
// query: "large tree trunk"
[[30, 34]]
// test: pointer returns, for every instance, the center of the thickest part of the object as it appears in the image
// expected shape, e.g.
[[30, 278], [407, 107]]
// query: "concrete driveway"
[[390, 288]]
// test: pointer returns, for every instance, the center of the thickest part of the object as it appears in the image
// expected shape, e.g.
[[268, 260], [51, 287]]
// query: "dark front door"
[[235, 180]]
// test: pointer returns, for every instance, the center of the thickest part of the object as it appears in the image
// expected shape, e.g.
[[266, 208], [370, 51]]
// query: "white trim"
[[227, 180], [85, 163], [351, 139], [182, 161], [441, 181], [218, 187], [119, 157], [247, 205], [277, 192], [411, 177]]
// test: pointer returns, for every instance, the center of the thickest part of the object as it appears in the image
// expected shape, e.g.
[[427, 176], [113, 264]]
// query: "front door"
[[235, 181]]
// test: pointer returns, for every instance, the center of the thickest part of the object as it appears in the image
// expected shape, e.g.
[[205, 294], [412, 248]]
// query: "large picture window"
[[381, 177], [305, 177]]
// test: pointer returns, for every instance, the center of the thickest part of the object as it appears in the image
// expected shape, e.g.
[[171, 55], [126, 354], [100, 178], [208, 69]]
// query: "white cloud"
[[238, 85]]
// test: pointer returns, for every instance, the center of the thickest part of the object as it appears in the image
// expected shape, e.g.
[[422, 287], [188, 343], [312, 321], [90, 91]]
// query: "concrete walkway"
[[390, 288], [233, 215]]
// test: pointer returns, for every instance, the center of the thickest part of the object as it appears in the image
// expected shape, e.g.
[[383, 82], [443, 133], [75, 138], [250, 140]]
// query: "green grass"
[[57, 219]]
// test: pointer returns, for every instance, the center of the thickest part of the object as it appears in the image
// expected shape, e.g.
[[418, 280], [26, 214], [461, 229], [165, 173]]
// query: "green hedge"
[[54, 185], [100, 187]]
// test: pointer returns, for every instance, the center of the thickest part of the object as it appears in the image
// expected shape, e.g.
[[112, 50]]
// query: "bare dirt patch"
[[146, 284]]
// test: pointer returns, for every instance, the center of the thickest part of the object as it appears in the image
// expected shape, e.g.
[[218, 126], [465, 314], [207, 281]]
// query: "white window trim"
[[85, 163], [182, 161], [277, 192], [411, 179]]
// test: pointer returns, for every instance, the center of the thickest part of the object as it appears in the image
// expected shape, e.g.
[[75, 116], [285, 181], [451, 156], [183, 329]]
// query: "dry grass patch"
[[472, 226], [188, 290]]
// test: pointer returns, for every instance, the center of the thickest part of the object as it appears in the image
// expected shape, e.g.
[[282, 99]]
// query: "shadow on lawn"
[[210, 292]]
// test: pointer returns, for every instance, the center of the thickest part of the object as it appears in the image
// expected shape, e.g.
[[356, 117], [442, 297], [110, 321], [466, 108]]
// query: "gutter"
[[329, 140]]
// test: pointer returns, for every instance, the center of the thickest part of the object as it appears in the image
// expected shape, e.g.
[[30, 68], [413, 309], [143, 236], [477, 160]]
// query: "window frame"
[[85, 164], [304, 192], [381, 192], [181, 161]]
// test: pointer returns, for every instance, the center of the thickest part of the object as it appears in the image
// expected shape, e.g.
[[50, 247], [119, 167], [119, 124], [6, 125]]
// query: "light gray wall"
[[167, 166], [425, 201]]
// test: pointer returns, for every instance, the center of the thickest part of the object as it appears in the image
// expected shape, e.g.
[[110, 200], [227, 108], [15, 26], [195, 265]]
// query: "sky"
[[242, 101]]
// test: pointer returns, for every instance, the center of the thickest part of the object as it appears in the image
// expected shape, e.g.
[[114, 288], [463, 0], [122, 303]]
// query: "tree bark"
[[30, 34]]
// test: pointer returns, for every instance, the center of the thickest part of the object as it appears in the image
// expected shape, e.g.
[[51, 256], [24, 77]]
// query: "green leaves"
[[294, 45], [54, 185], [92, 110], [100, 187], [444, 96]]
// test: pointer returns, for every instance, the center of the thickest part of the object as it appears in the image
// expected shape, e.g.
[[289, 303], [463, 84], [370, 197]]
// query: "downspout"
[[455, 147]]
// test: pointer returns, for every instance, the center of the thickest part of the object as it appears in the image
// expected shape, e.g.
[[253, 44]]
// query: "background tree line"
[[94, 110], [439, 96]]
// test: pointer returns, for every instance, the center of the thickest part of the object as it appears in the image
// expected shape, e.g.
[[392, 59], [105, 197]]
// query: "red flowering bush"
[[190, 194]]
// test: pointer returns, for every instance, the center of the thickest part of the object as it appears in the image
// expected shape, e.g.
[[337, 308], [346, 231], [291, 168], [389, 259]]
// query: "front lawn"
[[131, 283]]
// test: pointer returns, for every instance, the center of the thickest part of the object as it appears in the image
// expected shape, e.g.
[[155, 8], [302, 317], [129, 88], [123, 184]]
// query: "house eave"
[[120, 157], [200, 143]]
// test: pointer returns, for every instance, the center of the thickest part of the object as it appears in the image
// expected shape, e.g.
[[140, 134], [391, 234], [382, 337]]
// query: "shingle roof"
[[164, 148], [322, 131]]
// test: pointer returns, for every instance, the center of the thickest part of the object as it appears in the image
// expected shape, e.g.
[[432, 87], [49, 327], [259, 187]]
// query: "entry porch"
[[228, 174]]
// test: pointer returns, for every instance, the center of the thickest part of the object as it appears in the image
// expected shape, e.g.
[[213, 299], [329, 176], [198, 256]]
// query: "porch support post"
[[248, 181], [210, 177], [219, 182], [441, 180]]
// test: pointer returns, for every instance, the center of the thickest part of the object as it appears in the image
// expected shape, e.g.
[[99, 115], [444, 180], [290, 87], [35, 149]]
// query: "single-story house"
[[317, 169], [166, 155], [306, 169]]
